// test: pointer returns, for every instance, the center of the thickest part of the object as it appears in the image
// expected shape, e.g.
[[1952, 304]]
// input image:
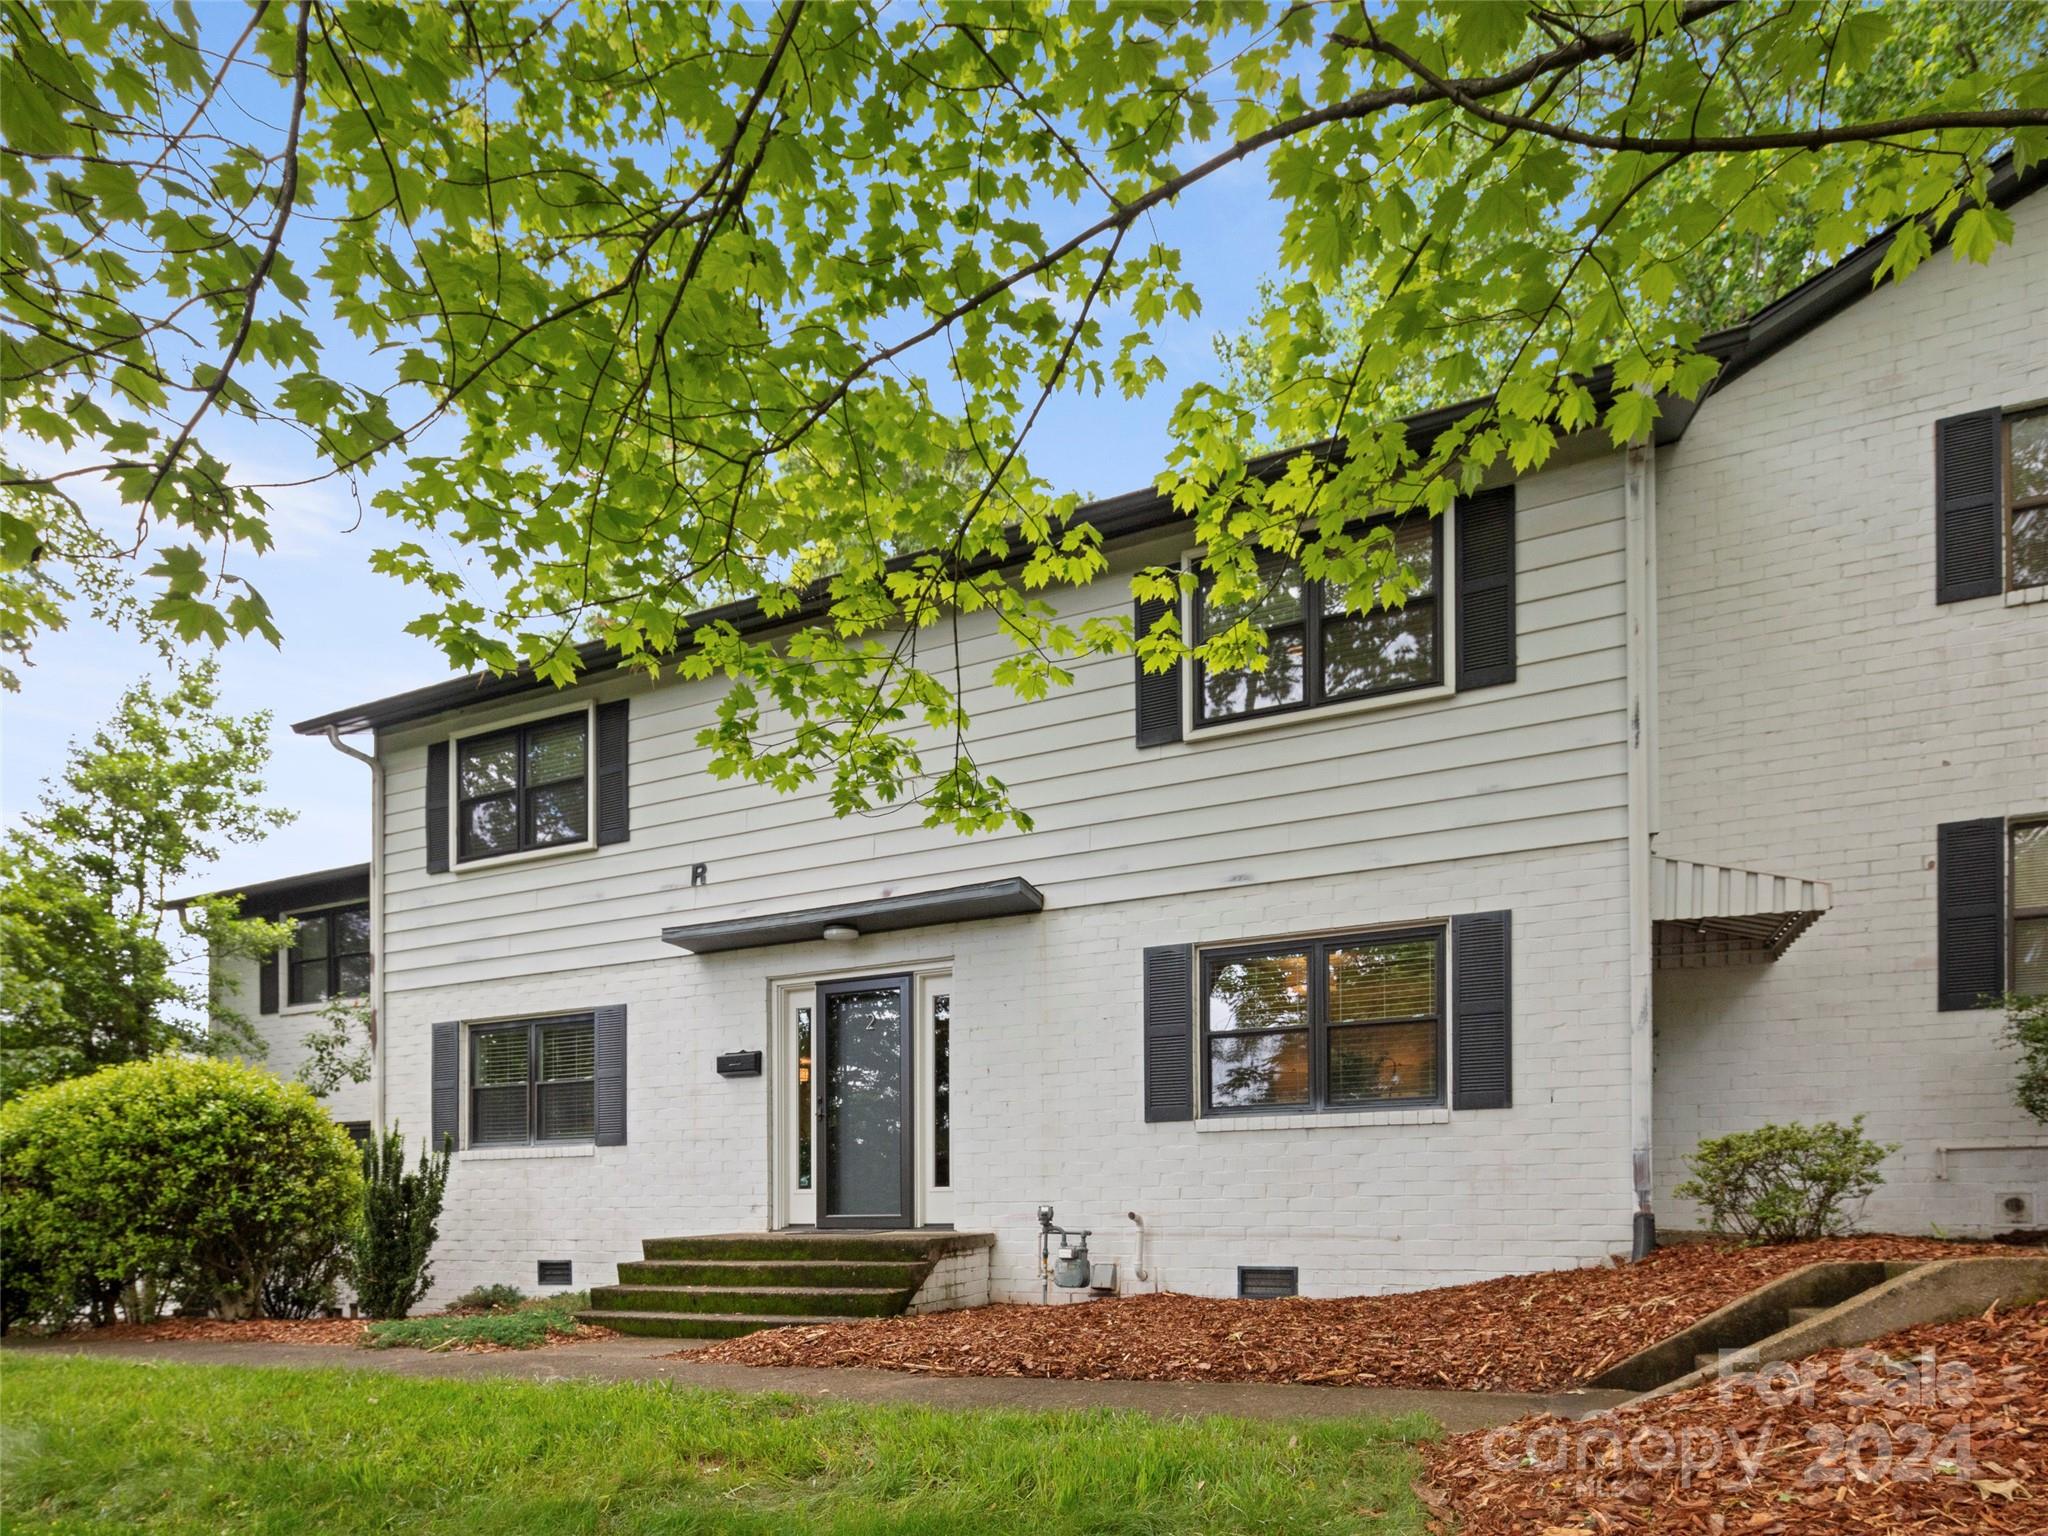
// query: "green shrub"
[[162, 1177], [526, 1326], [400, 1217], [1781, 1183], [488, 1298], [2026, 1030], [305, 1281]]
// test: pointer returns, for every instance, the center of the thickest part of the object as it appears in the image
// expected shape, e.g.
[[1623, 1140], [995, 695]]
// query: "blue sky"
[[343, 624]]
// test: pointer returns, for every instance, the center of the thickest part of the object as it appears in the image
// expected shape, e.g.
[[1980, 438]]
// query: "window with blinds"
[[1344, 1023], [532, 1081]]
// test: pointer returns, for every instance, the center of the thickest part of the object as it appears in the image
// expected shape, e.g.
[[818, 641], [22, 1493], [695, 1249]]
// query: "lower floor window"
[[532, 1081], [1344, 1023]]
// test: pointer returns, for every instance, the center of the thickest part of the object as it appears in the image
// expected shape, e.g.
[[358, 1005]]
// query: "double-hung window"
[[2029, 886], [523, 788], [1316, 651], [1342, 1024], [2026, 500], [532, 1081], [330, 957]]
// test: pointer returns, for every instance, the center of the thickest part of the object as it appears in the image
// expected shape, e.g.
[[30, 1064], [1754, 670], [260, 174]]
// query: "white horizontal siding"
[[1532, 766]]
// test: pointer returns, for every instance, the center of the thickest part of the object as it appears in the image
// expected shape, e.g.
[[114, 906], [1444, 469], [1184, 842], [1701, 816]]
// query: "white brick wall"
[[1047, 1108], [284, 1043], [1821, 715]]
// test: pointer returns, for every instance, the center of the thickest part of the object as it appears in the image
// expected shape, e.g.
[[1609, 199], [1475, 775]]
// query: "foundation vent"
[[557, 1272], [1263, 1282]]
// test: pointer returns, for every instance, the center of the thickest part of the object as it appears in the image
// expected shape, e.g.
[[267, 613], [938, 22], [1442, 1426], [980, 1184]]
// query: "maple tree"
[[648, 308]]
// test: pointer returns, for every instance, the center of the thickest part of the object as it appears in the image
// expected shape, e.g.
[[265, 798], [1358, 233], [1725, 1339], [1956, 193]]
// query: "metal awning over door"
[[1705, 915]]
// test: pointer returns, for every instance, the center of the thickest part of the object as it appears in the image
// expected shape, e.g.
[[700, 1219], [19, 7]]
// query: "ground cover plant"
[[175, 1449], [1521, 1333], [1934, 1431], [527, 1325]]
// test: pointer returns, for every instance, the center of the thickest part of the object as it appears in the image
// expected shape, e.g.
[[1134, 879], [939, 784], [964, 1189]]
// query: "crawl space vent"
[[1262, 1282], [557, 1272]]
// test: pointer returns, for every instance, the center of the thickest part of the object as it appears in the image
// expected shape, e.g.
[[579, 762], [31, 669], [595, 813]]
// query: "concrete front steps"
[[1826, 1306], [721, 1286]]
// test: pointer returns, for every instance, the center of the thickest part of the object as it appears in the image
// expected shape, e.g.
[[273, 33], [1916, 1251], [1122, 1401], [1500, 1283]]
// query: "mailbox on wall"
[[740, 1064]]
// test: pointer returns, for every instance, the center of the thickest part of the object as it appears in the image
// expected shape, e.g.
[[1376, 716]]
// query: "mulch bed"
[[214, 1330], [1943, 1431], [340, 1331], [1525, 1333]]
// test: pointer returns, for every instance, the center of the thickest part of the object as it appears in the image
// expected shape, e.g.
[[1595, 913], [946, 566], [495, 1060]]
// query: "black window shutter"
[[1969, 906], [613, 811], [1969, 544], [266, 984], [447, 1084], [609, 1090], [1169, 1033], [1158, 692], [1485, 534], [1482, 1057], [437, 808]]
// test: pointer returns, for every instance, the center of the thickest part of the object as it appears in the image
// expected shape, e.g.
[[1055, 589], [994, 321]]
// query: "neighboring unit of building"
[[287, 997], [1424, 955]]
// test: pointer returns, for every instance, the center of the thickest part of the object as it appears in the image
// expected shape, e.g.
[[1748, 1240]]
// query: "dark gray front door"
[[864, 1103]]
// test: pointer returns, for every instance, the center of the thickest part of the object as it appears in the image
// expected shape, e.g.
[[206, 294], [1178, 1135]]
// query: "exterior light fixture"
[[841, 933]]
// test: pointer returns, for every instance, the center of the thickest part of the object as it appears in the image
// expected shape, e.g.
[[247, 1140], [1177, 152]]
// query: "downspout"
[[376, 768], [1639, 495]]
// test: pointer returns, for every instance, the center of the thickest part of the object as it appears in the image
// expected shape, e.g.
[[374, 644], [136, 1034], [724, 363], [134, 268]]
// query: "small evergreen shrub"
[[162, 1178], [2026, 1030], [489, 1298], [1784, 1183], [401, 1213]]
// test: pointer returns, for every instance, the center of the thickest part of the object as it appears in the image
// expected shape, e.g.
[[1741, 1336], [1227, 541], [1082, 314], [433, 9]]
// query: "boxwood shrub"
[[162, 1178]]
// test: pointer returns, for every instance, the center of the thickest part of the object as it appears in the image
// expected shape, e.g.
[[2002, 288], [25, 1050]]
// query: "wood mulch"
[[1935, 1431], [1522, 1333], [214, 1330], [340, 1331]]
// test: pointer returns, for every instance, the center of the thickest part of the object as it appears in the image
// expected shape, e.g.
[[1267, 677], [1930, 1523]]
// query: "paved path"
[[626, 1359]]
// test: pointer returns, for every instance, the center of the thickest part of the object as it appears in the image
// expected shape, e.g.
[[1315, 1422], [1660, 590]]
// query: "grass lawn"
[[114, 1445]]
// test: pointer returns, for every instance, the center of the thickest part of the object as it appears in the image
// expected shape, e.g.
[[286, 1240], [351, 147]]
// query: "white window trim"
[[457, 865], [283, 961], [1194, 733]]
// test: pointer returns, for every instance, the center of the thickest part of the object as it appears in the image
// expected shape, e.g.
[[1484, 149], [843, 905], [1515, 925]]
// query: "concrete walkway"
[[625, 1359]]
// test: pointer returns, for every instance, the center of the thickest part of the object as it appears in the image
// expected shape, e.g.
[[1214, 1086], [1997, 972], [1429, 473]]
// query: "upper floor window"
[[1317, 652], [1349, 1023], [522, 788], [2030, 909], [2026, 500], [331, 955]]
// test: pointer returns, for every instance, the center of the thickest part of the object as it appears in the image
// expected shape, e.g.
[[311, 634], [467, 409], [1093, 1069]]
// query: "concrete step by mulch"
[[899, 1247], [894, 1274], [695, 1325], [810, 1300], [1802, 1314]]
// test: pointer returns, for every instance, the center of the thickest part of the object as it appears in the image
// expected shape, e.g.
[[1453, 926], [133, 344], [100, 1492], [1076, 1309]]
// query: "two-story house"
[[1704, 784]]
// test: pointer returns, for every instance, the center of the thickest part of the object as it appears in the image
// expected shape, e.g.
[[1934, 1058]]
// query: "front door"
[[864, 1162]]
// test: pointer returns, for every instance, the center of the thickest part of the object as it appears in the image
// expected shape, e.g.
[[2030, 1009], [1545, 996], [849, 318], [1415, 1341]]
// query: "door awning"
[[1706, 915], [1014, 897]]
